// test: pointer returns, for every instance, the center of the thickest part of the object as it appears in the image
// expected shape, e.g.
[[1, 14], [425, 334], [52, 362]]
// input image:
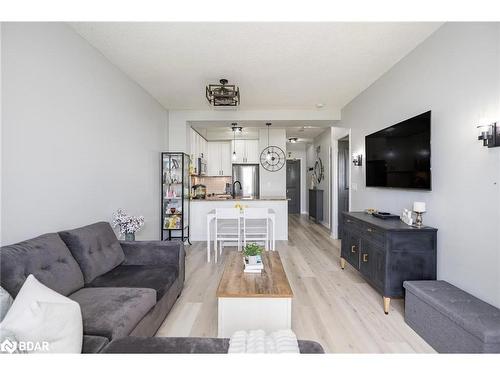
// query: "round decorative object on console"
[[272, 158]]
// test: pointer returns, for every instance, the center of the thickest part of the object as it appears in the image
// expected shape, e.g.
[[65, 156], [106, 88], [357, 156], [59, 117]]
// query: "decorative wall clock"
[[319, 170], [272, 158]]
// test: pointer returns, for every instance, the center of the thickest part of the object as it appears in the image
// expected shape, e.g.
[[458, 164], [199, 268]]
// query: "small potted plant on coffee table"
[[252, 253]]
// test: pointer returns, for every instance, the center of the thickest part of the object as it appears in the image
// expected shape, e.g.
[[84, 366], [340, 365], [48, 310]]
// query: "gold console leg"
[[387, 302], [342, 263]]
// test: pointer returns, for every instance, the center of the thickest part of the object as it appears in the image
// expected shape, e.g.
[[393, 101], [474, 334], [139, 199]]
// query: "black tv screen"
[[400, 155]]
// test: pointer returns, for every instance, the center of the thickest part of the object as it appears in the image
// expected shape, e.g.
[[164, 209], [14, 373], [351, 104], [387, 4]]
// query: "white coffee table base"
[[247, 313]]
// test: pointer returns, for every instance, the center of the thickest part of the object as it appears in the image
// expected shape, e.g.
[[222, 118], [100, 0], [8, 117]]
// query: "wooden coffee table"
[[254, 301]]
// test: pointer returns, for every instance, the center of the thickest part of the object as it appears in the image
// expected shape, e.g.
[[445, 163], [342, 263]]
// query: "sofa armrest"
[[153, 253]]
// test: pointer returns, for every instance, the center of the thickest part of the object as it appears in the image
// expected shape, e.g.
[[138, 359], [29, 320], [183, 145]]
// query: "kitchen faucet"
[[234, 183]]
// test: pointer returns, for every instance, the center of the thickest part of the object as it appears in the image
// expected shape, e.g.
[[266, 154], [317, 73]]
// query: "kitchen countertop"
[[212, 199]]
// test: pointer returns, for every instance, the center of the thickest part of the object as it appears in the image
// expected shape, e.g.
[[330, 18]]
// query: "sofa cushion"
[[113, 312], [181, 345], [47, 258], [95, 248], [159, 278]]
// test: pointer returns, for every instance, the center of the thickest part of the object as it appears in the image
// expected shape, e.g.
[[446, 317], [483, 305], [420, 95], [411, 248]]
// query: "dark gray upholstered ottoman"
[[451, 320]]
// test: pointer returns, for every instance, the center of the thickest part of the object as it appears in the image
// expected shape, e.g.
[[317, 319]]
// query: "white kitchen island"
[[200, 208]]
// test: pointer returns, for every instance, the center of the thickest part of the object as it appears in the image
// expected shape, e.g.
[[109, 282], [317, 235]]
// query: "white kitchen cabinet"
[[247, 151], [198, 145], [219, 159], [252, 152]]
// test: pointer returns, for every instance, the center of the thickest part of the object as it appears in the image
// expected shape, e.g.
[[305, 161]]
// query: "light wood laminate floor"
[[332, 306]]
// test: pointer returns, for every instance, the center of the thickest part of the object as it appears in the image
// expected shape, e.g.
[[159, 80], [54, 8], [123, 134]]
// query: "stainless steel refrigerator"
[[248, 176]]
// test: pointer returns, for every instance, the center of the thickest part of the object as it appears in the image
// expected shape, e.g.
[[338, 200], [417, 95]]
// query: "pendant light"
[[268, 155], [236, 129]]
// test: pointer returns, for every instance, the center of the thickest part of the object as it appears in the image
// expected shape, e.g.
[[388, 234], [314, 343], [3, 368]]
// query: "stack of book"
[[253, 268]]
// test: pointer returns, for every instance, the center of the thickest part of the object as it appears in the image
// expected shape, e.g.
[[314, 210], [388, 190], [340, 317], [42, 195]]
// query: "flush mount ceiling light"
[[293, 140], [223, 95]]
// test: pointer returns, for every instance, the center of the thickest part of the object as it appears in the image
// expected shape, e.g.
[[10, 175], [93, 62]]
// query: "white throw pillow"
[[5, 302], [44, 321]]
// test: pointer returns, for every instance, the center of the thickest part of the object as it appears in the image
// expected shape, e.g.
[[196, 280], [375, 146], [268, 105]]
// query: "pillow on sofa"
[[95, 248], [5, 303], [43, 320]]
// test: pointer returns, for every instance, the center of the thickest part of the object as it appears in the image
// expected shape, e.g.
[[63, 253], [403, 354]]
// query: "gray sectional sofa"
[[125, 289]]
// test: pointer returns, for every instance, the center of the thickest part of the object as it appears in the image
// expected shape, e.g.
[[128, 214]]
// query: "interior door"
[[293, 186], [343, 181]]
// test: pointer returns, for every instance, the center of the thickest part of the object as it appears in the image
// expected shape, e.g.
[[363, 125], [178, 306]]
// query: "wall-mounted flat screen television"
[[400, 156]]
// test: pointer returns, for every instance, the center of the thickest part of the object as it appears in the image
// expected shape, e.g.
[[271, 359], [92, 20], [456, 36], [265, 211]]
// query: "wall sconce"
[[489, 134], [357, 160]]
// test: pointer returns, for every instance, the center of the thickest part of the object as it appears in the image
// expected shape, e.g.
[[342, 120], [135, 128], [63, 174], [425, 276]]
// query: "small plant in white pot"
[[252, 252]]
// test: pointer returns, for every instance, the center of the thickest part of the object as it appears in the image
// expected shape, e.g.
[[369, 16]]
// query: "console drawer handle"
[[365, 258], [370, 230], [353, 248]]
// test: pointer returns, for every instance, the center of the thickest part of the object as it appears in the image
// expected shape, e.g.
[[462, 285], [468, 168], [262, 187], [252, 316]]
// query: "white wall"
[[456, 74], [80, 139], [298, 151], [272, 184]]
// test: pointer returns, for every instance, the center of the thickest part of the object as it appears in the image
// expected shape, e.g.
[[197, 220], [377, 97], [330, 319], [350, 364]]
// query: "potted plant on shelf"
[[252, 253], [128, 225]]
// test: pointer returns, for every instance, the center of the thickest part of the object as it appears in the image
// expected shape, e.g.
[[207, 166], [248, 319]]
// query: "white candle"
[[419, 206]]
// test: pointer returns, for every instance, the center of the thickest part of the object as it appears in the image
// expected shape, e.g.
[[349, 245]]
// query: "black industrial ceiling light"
[[293, 140], [223, 95]]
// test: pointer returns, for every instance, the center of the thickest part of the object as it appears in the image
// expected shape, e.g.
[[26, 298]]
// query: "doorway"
[[343, 180], [293, 185]]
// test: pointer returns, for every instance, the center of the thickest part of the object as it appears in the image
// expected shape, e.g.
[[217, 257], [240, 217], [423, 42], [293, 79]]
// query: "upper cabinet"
[[219, 159], [198, 145], [247, 151]]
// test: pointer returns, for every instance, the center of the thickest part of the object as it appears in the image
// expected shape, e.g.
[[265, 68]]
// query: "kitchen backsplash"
[[215, 185]]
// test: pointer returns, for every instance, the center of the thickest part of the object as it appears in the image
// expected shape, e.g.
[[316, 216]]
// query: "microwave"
[[201, 167]]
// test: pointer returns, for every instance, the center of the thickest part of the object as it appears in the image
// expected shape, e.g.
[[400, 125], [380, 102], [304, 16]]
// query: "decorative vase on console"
[[128, 225]]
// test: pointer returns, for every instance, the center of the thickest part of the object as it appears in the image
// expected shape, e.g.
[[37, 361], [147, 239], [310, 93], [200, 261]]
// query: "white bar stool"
[[256, 226], [227, 228]]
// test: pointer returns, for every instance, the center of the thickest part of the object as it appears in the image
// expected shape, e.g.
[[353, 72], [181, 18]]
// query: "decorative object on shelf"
[[370, 211], [293, 140], [489, 134], [272, 158], [357, 159], [419, 209], [222, 94], [253, 259], [128, 225], [407, 217], [313, 179]]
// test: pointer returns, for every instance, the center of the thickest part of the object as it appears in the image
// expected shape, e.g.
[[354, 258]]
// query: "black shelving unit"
[[175, 192]]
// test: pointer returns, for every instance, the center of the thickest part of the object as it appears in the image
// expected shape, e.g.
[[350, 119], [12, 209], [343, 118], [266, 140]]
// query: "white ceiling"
[[276, 65]]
